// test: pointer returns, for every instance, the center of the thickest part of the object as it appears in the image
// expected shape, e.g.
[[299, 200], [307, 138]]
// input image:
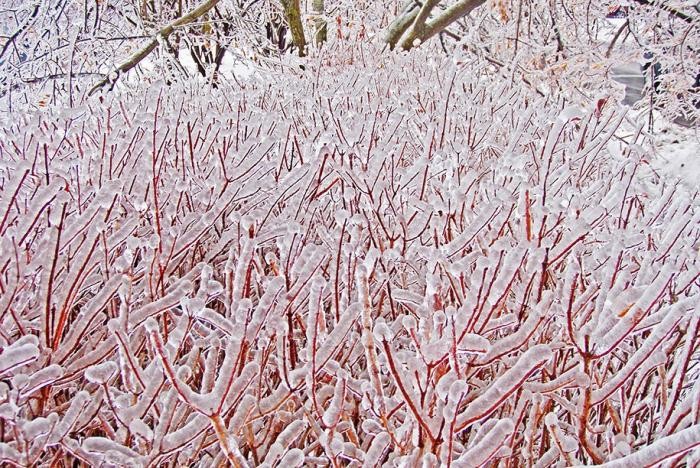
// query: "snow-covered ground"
[[677, 154], [630, 74], [237, 66]]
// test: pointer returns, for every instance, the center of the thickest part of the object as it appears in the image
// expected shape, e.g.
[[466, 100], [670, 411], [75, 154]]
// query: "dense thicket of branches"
[[408, 265], [453, 253]]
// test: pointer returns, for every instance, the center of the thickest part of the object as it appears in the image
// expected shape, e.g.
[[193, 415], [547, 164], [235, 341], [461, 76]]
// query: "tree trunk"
[[401, 23], [321, 28], [292, 12]]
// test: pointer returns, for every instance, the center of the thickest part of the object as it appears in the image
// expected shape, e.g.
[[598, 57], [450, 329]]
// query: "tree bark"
[[401, 23], [418, 27], [292, 12], [320, 25]]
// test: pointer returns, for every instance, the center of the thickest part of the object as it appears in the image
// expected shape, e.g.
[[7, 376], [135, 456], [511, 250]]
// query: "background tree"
[[568, 43], [552, 44], [320, 24], [292, 12]]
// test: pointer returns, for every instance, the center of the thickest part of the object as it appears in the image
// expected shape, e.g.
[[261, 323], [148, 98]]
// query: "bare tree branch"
[[413, 25], [403, 21], [29, 21], [164, 32], [418, 26], [669, 9]]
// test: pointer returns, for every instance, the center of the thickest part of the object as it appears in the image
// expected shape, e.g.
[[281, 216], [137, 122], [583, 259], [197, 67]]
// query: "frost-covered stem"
[[505, 386], [11, 200], [451, 435], [583, 416], [690, 339], [368, 337], [155, 178], [569, 315], [528, 216], [557, 436], [157, 344], [131, 360], [488, 446], [63, 313], [661, 449], [313, 326], [402, 388], [337, 271], [49, 311], [233, 455]]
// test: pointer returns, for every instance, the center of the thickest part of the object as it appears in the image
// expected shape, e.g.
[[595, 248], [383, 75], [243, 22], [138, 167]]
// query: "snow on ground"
[[237, 65], [677, 154]]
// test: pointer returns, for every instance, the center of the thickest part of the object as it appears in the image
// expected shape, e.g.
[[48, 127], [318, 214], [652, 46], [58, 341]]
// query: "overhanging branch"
[[164, 32], [669, 9]]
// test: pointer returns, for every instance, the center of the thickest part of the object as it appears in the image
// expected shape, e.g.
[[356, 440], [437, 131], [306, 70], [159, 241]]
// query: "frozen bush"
[[457, 276]]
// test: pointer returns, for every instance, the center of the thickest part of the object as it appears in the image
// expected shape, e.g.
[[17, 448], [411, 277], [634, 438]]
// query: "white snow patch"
[[678, 154]]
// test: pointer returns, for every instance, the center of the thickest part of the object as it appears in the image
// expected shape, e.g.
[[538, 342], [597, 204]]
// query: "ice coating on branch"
[[335, 407], [474, 343], [185, 433], [104, 445], [336, 337], [239, 274], [651, 343], [382, 332], [241, 413], [293, 458], [487, 446], [137, 426], [572, 377], [283, 441], [39, 427], [513, 378], [629, 308], [21, 352], [376, 450], [565, 443], [42, 378], [660, 450], [380, 257], [515, 340], [101, 373]]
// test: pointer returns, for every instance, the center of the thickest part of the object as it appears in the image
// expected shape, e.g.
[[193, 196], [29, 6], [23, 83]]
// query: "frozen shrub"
[[350, 267]]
